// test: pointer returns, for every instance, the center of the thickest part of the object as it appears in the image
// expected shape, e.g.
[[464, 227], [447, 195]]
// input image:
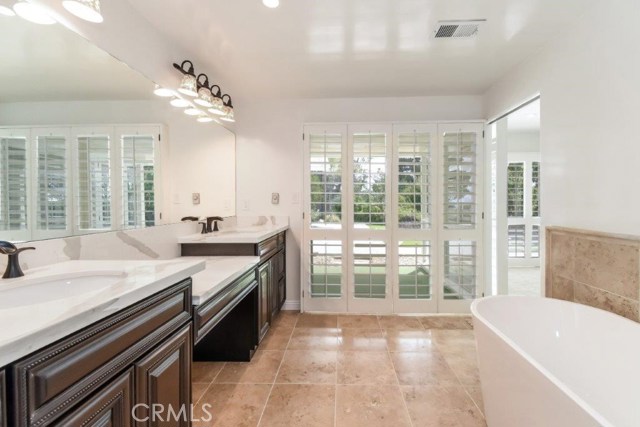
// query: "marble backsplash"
[[153, 243], [597, 269]]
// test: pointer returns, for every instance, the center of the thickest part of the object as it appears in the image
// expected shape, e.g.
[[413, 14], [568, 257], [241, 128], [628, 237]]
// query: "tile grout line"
[[404, 402], [210, 384], [284, 354]]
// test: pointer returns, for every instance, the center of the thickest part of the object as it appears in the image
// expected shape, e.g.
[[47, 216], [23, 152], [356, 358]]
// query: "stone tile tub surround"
[[594, 268]]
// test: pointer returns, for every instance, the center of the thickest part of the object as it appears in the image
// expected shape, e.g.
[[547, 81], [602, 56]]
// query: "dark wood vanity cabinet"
[[140, 355], [264, 309], [3, 400]]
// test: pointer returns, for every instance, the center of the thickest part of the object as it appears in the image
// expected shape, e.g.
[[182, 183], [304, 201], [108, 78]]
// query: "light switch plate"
[[275, 198], [195, 197]]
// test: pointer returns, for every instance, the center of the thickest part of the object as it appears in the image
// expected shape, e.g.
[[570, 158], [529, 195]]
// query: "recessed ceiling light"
[[89, 10], [32, 13], [271, 3]]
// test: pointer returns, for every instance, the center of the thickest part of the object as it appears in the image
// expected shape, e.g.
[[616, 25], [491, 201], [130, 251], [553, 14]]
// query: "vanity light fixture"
[[228, 111], [32, 13], [205, 119], [271, 4], [217, 104], [189, 83], [163, 92], [179, 102], [205, 97], [89, 10]]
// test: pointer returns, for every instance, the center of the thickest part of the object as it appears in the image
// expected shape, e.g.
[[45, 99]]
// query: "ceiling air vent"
[[457, 29]]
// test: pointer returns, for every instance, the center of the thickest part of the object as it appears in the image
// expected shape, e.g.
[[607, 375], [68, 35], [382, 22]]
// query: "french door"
[[392, 218]]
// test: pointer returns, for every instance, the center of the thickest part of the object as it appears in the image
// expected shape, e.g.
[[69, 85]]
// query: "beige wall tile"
[[561, 288], [562, 254], [599, 298]]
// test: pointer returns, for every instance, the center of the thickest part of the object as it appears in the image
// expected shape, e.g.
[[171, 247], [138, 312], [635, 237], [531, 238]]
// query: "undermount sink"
[[56, 287]]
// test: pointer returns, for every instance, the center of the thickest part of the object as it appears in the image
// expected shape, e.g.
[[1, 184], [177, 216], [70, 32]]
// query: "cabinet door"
[[264, 277], [3, 400], [163, 377], [277, 265], [109, 407]]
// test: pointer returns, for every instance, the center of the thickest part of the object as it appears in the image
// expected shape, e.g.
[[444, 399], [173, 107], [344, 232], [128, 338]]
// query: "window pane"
[[414, 267], [535, 188], [369, 180], [414, 174], [517, 241], [138, 173], [515, 190], [94, 184], [369, 269], [459, 182], [13, 183], [459, 269], [326, 268], [326, 180], [535, 242], [52, 183]]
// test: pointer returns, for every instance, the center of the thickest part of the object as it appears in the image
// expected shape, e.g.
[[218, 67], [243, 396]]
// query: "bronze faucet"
[[13, 265]]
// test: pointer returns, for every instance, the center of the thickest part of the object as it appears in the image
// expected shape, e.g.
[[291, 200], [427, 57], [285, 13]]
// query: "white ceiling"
[[358, 48], [52, 63]]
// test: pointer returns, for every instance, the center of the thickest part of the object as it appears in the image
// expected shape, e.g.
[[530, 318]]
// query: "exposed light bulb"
[[271, 3], [32, 13], [164, 92], [189, 85], [89, 10]]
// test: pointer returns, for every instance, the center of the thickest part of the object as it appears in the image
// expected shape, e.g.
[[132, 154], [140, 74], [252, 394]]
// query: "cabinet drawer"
[[109, 407], [267, 248], [56, 378], [209, 314]]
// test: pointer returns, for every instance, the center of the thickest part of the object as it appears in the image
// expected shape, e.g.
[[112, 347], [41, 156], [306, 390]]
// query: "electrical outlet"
[[195, 197], [275, 198], [245, 205]]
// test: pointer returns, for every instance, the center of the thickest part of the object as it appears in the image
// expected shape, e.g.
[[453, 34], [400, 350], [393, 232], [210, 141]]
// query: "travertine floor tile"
[[365, 367], [370, 406], [197, 390], [446, 322], [314, 339], [300, 405], [441, 406], [308, 367], [362, 340], [237, 405], [355, 321], [261, 370], [409, 340], [205, 372], [423, 368], [276, 339], [403, 323], [475, 392], [286, 319], [306, 320]]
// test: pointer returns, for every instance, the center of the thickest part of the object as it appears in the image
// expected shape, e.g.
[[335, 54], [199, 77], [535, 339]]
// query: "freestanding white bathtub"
[[545, 362]]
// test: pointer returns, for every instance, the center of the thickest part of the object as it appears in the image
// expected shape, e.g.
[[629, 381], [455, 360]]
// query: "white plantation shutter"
[[459, 179], [414, 177], [52, 178], [13, 187], [369, 179], [325, 162], [138, 180], [93, 186]]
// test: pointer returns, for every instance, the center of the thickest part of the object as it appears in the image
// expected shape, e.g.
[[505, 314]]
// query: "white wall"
[[199, 157], [523, 142], [269, 149], [589, 82]]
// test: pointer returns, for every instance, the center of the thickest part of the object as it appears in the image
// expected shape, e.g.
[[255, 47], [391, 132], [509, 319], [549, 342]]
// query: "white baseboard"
[[292, 305]]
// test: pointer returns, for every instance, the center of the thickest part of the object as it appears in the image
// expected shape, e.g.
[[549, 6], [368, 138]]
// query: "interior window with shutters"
[[459, 269], [13, 184], [414, 169], [517, 238], [370, 269], [326, 268], [51, 203], [535, 189], [94, 183], [369, 180], [459, 180], [138, 175], [515, 190], [326, 180]]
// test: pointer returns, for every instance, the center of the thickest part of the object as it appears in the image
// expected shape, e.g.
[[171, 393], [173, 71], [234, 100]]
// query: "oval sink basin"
[[54, 288]]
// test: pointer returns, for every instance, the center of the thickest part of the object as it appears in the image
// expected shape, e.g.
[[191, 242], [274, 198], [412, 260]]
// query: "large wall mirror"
[[85, 145]]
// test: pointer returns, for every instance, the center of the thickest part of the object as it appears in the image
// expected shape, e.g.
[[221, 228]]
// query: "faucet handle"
[[215, 218], [7, 248]]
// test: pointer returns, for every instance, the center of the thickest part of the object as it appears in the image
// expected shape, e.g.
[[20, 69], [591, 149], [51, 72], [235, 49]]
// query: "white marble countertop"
[[255, 234], [218, 273], [33, 321]]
